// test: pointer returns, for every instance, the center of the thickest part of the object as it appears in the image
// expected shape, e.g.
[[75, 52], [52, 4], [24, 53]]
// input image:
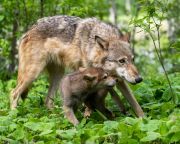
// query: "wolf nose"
[[138, 79]]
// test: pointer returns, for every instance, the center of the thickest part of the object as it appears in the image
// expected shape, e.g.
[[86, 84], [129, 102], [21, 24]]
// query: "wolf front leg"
[[69, 113], [126, 92], [117, 100]]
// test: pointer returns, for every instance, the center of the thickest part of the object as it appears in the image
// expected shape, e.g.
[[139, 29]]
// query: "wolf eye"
[[122, 61]]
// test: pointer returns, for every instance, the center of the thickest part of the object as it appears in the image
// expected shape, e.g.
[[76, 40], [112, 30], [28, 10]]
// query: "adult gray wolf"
[[55, 43]]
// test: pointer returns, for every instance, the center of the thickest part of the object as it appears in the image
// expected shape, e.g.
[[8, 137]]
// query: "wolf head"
[[98, 78], [105, 46], [120, 60], [117, 58]]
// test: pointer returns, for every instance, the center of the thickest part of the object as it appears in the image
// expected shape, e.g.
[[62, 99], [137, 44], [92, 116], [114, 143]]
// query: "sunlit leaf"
[[151, 136], [18, 134]]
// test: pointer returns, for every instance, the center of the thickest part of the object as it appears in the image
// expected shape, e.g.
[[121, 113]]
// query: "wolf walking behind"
[[59, 42]]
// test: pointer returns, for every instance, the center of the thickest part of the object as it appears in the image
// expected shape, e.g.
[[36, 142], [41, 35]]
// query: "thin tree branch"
[[26, 15], [157, 26], [41, 8], [161, 62]]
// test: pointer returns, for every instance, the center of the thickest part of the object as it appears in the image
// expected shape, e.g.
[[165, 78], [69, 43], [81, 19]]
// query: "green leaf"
[[45, 132], [32, 125], [1, 17], [175, 137], [12, 126], [151, 1], [40, 142], [150, 137], [175, 128], [3, 129], [132, 141], [67, 134], [163, 129], [131, 121], [18, 134], [152, 125], [110, 126], [39, 126], [176, 90], [13, 113]]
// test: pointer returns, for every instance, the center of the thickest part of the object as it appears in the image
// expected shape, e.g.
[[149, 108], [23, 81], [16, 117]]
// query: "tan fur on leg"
[[123, 87]]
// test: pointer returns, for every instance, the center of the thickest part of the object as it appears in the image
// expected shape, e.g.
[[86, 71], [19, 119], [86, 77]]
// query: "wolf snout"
[[138, 79]]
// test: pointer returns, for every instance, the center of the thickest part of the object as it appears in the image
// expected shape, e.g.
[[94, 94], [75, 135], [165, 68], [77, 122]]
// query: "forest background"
[[155, 41]]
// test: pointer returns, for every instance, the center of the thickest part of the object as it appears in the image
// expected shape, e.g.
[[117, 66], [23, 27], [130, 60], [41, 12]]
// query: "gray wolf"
[[77, 86], [59, 42]]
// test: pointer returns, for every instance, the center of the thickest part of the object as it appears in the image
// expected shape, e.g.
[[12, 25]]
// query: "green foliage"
[[32, 122]]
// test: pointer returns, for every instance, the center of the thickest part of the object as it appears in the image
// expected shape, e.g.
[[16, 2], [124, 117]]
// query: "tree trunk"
[[113, 12], [128, 6], [13, 51], [26, 16], [42, 8], [133, 33]]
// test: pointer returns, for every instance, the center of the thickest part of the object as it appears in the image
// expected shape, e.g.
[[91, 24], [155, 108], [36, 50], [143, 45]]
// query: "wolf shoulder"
[[63, 27]]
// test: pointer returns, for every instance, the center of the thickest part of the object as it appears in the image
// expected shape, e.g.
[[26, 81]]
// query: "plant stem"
[[161, 62]]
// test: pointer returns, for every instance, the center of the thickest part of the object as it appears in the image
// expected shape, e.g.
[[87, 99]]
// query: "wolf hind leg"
[[55, 75], [24, 94], [26, 76]]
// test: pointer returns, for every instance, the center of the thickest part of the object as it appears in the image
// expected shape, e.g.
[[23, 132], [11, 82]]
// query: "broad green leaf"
[[67, 134], [13, 113], [150, 137], [163, 129], [18, 134], [151, 1], [39, 126], [1, 17], [110, 126], [45, 132], [3, 129], [175, 128], [40, 142], [175, 137], [12, 126], [132, 141], [152, 125], [33, 126], [131, 121]]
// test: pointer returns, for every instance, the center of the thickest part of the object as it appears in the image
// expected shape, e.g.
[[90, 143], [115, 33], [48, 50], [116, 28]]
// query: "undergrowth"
[[32, 122]]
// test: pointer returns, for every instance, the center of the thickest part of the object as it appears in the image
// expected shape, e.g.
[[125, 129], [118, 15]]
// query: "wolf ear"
[[126, 37], [102, 43], [89, 77]]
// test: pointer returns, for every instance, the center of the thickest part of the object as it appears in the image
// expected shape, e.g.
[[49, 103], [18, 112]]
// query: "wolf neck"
[[84, 38]]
